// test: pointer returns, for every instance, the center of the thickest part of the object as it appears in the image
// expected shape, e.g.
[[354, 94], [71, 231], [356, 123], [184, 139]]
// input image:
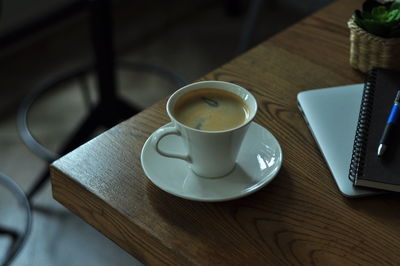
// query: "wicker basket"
[[368, 51]]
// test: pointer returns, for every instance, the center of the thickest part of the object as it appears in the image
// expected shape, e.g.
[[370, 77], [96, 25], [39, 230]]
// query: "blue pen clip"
[[392, 120]]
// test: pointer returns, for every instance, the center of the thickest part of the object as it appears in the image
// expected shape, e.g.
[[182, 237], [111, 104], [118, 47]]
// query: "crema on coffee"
[[211, 109]]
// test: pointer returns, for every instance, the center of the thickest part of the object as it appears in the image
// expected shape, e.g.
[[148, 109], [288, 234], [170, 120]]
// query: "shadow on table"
[[193, 216], [385, 207]]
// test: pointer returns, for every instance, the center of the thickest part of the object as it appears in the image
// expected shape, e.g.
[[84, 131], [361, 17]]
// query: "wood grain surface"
[[299, 219]]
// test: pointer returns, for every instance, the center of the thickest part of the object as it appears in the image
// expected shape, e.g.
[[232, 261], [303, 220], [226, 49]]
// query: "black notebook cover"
[[366, 168]]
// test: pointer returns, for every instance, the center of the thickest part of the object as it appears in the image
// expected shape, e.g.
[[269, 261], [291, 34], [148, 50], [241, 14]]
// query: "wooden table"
[[300, 218]]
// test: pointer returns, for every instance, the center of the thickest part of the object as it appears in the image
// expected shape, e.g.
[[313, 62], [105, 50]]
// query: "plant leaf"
[[379, 19], [379, 13], [394, 6], [392, 15]]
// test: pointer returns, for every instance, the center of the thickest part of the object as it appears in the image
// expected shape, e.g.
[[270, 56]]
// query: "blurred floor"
[[190, 42]]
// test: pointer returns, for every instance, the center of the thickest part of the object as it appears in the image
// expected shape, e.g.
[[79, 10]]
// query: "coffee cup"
[[211, 118]]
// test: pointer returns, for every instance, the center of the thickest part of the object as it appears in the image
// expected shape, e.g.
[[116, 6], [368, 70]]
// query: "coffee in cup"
[[211, 118], [211, 109]]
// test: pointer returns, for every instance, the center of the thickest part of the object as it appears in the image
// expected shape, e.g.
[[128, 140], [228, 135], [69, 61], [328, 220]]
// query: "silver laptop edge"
[[332, 115]]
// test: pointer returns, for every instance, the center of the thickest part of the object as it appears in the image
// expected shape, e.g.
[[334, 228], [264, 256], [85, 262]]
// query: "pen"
[[390, 123]]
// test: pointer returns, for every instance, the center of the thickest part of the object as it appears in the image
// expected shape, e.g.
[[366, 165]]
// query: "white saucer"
[[258, 162]]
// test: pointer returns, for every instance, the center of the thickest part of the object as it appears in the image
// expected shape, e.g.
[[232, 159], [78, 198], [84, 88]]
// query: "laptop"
[[332, 115]]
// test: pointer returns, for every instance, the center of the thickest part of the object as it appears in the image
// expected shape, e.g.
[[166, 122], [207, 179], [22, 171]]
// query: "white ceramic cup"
[[209, 153]]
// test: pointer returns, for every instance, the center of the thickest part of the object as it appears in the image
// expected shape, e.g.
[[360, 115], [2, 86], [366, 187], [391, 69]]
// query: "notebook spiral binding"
[[361, 137]]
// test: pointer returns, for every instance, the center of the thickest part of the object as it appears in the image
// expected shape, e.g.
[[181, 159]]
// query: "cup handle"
[[161, 133]]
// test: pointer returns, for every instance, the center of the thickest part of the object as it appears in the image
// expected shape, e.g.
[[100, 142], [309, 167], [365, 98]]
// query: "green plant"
[[379, 19]]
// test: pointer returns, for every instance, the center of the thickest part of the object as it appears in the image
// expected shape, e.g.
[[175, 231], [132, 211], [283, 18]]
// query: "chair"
[[18, 239]]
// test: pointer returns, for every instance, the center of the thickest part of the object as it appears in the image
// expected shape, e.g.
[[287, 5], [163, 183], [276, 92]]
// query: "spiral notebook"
[[366, 168]]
